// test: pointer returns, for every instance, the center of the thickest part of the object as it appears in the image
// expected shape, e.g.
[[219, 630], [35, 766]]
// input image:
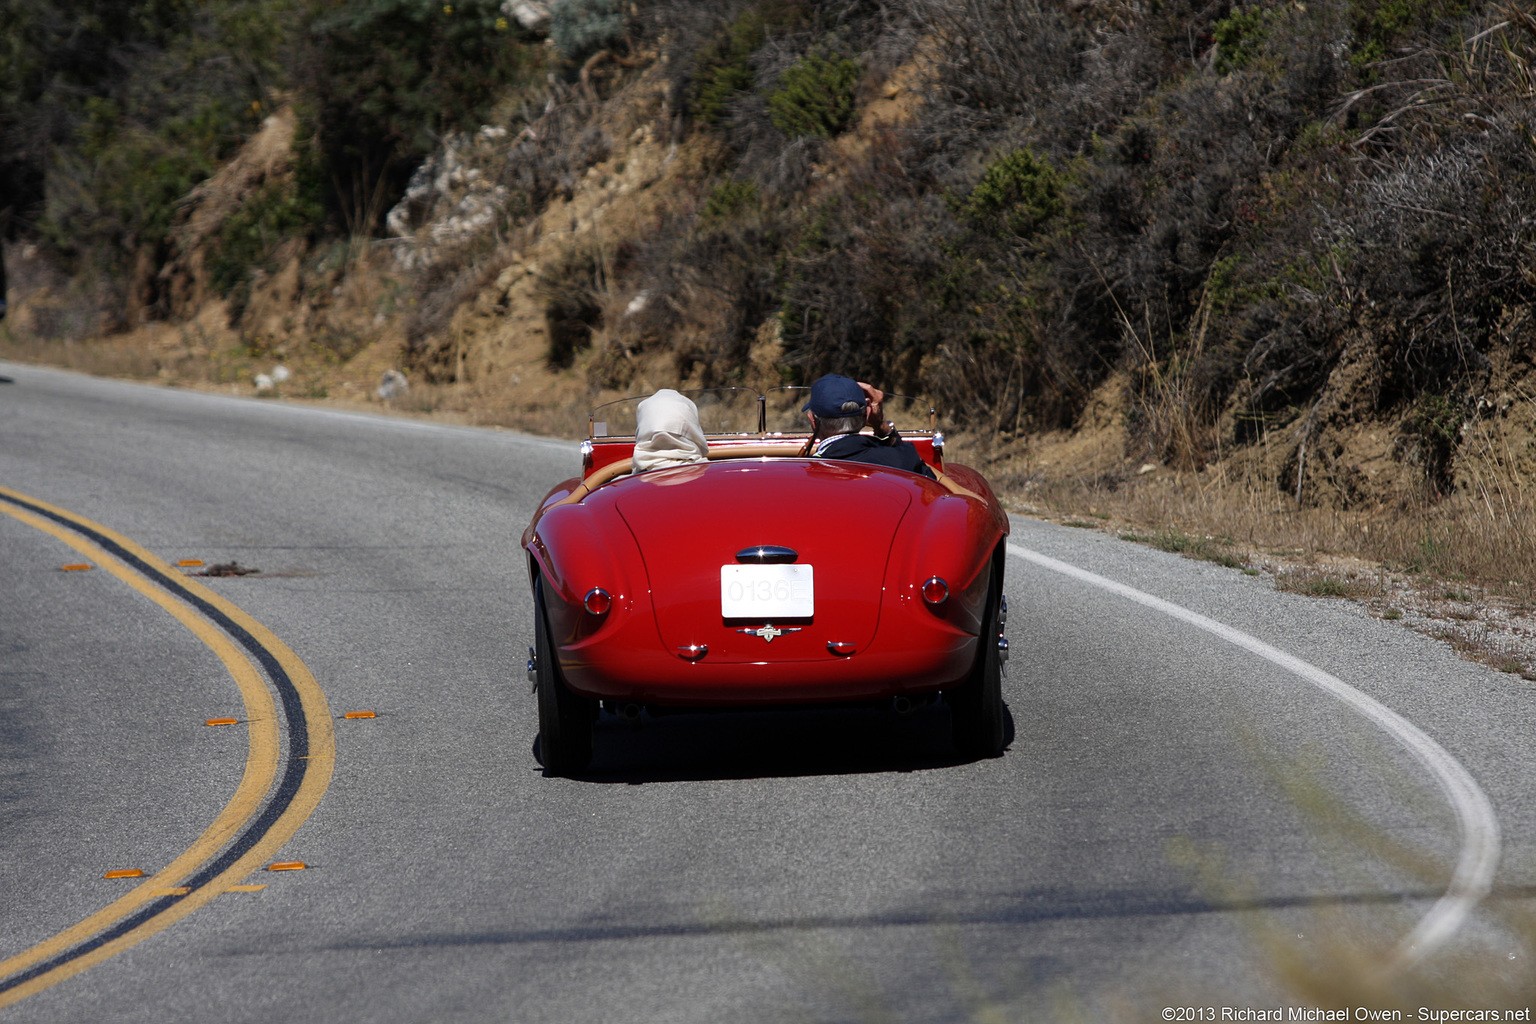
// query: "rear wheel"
[[565, 719], [978, 717]]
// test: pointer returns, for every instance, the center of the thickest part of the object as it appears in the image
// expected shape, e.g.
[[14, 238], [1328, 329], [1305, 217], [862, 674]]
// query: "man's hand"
[[874, 415]]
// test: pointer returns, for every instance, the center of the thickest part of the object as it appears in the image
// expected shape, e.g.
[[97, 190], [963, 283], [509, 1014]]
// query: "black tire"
[[565, 719], [977, 715]]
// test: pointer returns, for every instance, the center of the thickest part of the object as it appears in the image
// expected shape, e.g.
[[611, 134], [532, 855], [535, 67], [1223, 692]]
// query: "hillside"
[[1261, 265]]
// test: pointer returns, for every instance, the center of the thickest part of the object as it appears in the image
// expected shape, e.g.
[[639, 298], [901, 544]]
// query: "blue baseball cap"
[[831, 396]]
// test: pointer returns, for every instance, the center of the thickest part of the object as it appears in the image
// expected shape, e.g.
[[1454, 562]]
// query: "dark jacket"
[[895, 453]]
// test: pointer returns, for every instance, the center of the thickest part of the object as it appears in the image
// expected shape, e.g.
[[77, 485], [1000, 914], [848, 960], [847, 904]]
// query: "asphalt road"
[[1147, 841]]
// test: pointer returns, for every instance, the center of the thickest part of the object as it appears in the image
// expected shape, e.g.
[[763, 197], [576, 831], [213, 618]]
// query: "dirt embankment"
[[466, 305]]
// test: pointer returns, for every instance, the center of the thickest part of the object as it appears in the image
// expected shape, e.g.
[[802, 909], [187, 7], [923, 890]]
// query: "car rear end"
[[762, 582]]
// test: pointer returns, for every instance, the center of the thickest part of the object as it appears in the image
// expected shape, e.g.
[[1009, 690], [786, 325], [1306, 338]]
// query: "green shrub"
[[118, 183], [1380, 25], [1017, 195], [383, 80], [724, 66], [581, 27], [814, 96], [249, 239], [1430, 435], [727, 199], [55, 57], [110, 113], [1238, 38]]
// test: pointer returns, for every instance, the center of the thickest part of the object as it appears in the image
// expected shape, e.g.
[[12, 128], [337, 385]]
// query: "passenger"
[[839, 408], [667, 432]]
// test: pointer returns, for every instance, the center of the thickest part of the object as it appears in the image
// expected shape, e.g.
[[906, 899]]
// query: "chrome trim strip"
[[767, 554]]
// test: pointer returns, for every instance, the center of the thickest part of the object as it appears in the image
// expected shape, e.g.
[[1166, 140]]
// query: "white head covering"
[[667, 432]]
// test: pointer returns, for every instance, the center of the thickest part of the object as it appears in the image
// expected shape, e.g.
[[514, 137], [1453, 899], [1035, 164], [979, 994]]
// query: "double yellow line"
[[273, 799]]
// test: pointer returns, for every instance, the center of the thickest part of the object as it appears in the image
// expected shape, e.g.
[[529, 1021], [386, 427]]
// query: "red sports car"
[[763, 577]]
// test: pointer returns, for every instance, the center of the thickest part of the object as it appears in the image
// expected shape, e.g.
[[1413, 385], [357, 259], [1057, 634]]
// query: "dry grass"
[[1477, 642], [96, 357], [1465, 540], [1322, 583], [1461, 568]]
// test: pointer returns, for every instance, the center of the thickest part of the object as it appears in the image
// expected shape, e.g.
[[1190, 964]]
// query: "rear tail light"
[[597, 601], [935, 591]]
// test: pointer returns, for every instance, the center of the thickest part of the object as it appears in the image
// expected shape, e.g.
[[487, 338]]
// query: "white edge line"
[[1479, 857]]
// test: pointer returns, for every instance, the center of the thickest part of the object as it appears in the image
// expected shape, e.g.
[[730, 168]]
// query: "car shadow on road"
[[699, 746]]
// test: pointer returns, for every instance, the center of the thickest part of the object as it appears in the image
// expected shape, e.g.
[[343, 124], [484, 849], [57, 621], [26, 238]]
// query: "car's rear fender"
[[595, 551], [974, 482], [955, 539]]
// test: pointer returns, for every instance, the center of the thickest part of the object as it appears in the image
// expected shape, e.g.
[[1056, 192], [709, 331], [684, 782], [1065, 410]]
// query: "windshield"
[[721, 411], [743, 412]]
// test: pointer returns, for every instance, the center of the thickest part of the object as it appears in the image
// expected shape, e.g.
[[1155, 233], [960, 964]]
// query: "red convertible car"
[[763, 577]]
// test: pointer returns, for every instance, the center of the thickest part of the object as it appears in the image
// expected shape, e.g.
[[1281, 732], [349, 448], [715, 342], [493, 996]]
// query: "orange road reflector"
[[178, 890], [75, 567], [246, 888], [287, 865], [190, 562], [124, 873], [359, 714], [222, 721]]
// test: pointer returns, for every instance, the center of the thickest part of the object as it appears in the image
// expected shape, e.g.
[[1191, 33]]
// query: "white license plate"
[[766, 592]]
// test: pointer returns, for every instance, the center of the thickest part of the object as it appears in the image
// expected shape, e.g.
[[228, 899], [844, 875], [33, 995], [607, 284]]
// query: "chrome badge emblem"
[[769, 632]]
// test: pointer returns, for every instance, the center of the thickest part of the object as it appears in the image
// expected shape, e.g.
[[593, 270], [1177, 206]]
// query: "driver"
[[839, 408]]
